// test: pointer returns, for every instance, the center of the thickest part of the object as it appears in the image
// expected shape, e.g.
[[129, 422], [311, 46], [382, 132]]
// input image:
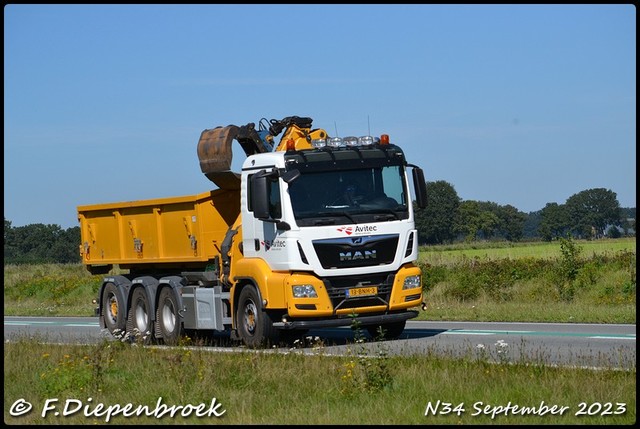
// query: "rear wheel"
[[167, 317], [255, 326], [140, 324], [113, 310], [390, 331]]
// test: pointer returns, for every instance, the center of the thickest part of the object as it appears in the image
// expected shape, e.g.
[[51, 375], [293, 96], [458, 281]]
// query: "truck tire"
[[255, 326], [140, 323], [167, 317], [390, 331], [113, 310]]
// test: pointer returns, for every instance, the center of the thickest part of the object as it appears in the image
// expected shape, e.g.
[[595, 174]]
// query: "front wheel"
[[168, 318], [255, 326], [387, 331]]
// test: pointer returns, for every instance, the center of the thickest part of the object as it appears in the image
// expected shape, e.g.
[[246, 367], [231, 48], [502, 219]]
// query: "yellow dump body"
[[175, 231]]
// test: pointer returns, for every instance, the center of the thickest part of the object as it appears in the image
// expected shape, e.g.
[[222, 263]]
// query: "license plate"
[[362, 291]]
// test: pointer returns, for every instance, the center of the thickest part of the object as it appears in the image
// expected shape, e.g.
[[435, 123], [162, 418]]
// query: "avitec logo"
[[275, 244], [346, 229], [358, 229]]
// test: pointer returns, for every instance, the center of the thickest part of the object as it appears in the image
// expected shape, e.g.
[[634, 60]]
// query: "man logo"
[[357, 255]]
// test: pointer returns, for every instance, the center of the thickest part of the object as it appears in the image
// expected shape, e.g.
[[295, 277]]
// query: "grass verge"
[[94, 384]]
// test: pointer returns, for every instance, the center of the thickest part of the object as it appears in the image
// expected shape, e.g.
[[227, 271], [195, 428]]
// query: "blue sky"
[[518, 105]]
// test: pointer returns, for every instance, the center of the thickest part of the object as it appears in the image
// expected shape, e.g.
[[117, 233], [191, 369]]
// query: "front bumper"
[[334, 298], [377, 319]]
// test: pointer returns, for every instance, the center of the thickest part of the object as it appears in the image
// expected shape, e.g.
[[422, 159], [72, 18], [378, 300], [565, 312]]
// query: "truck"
[[315, 231]]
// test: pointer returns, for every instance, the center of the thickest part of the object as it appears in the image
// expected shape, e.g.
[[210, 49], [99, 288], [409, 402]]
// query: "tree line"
[[39, 243], [589, 214]]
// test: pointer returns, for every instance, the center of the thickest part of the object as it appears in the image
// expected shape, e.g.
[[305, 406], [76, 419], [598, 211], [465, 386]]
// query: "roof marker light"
[[384, 139]]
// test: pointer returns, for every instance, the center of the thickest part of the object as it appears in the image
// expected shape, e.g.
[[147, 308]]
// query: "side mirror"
[[260, 195], [420, 187]]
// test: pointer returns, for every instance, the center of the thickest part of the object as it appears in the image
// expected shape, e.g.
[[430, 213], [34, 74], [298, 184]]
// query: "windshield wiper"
[[324, 222], [338, 213], [386, 217]]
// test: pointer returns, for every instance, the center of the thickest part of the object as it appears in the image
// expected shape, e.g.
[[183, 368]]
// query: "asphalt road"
[[562, 344]]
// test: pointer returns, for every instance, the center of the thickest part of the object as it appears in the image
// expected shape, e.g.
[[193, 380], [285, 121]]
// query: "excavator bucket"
[[215, 151], [215, 154]]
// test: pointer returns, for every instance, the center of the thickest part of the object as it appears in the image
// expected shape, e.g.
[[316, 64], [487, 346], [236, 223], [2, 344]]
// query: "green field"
[[565, 281], [439, 255]]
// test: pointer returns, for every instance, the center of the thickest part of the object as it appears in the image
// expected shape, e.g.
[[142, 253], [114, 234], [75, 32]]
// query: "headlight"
[[335, 142], [411, 282], [350, 141], [365, 141], [304, 291], [319, 143]]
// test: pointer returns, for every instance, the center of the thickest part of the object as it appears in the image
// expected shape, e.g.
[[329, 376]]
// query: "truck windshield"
[[349, 196]]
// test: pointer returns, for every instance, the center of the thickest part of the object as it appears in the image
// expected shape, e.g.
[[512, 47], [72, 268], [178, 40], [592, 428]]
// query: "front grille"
[[360, 251], [337, 289]]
